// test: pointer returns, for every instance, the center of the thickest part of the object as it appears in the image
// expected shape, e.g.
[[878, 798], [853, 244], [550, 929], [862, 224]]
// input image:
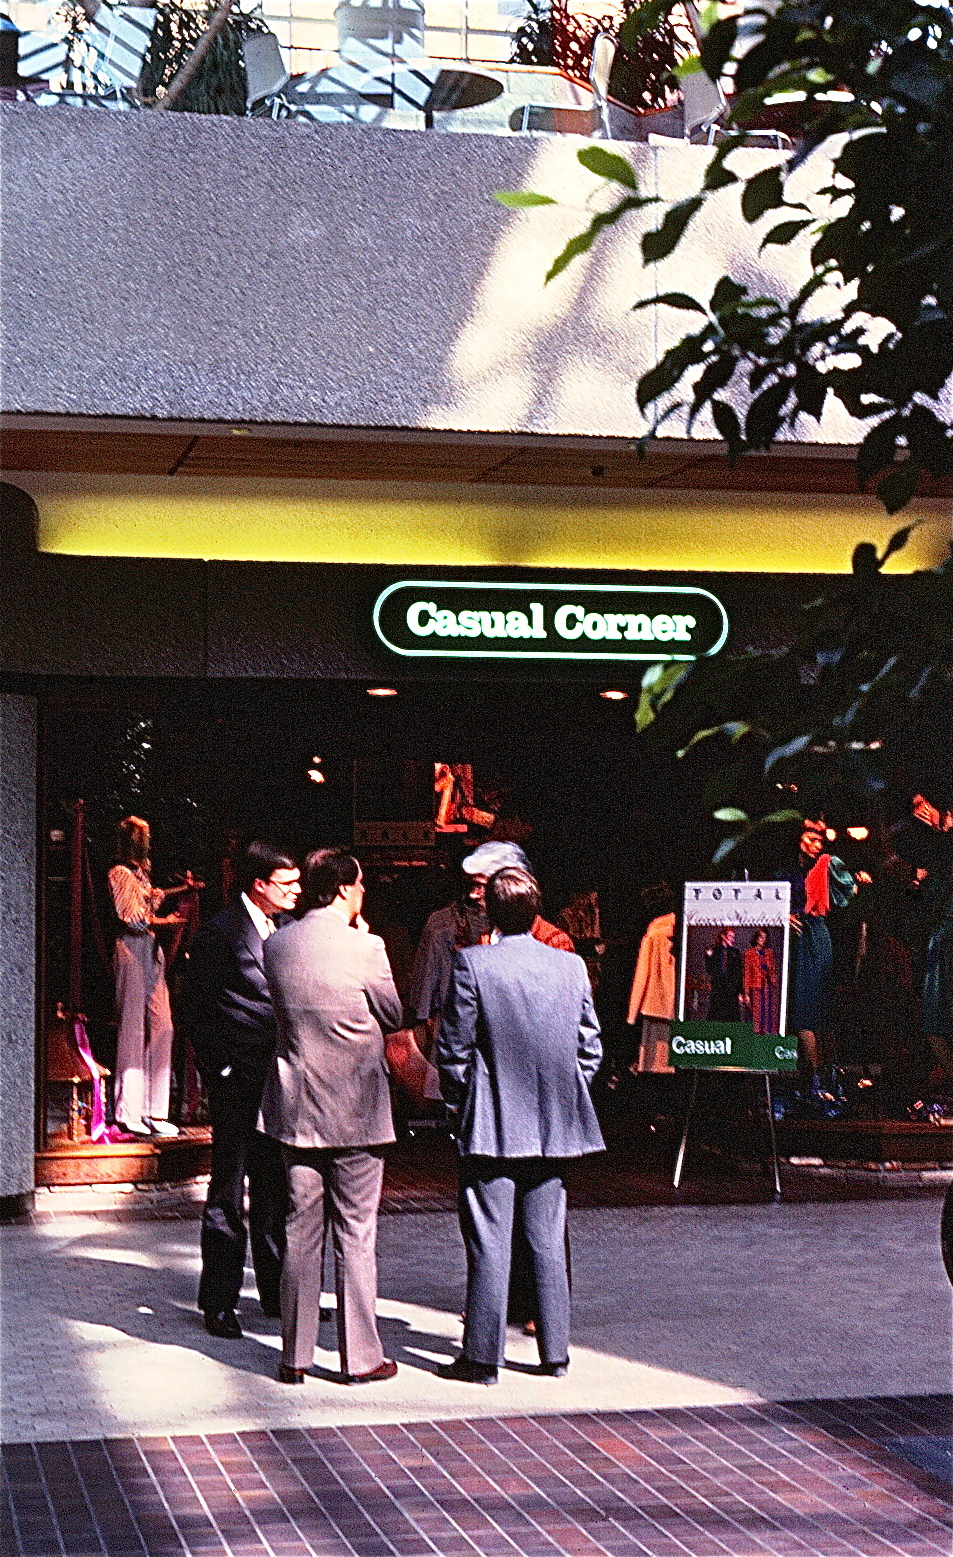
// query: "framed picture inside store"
[[733, 978]]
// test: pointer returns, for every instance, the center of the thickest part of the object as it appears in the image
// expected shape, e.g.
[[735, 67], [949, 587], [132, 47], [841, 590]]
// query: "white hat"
[[488, 858]]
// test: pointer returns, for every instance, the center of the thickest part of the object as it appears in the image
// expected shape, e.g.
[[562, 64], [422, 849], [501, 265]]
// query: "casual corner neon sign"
[[487, 620]]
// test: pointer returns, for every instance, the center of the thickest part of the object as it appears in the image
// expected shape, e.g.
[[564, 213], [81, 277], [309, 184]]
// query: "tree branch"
[[182, 77]]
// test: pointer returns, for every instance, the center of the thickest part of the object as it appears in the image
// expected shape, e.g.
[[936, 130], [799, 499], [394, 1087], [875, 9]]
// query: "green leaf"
[[728, 426], [714, 377], [727, 294], [764, 192], [730, 814], [691, 65], [734, 729], [718, 176], [877, 450], [666, 374], [608, 165], [789, 749], [898, 486], [899, 539], [780, 817], [520, 198], [786, 232], [671, 300], [658, 685], [765, 415], [726, 846], [659, 244], [583, 241], [717, 45], [642, 21]]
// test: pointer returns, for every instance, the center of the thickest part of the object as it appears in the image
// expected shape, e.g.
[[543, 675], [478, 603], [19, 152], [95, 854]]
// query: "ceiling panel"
[[604, 463]]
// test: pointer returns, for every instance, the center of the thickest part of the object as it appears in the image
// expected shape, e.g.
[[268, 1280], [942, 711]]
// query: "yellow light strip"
[[248, 521]]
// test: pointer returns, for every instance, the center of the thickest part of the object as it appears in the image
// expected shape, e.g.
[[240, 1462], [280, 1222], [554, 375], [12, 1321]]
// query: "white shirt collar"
[[260, 920]]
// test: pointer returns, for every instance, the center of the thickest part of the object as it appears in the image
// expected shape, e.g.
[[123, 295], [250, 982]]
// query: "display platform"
[[866, 1141], [126, 1162]]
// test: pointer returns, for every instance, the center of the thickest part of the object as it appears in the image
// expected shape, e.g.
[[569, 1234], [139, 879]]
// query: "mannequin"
[[144, 1042]]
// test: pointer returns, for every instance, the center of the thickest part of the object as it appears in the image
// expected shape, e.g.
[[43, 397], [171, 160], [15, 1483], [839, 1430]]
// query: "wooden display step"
[[126, 1162], [866, 1141]]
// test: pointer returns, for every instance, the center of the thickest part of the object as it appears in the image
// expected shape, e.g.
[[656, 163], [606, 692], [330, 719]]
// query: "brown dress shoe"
[[289, 1375], [384, 1370]]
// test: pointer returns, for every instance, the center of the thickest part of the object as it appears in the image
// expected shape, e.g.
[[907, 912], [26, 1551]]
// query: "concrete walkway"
[[686, 1306], [700, 1418]]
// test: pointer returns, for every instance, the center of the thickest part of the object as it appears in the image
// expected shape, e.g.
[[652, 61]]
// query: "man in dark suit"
[[517, 1051], [228, 1016], [327, 1101]]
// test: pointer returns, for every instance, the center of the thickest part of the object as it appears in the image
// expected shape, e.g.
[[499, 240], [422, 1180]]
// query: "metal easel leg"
[[680, 1160], [774, 1139]]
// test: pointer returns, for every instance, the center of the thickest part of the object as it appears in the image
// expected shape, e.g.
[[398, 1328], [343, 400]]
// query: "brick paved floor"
[[809, 1479]]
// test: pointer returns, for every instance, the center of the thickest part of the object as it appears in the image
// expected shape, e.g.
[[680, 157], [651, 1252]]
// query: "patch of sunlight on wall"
[[520, 329]]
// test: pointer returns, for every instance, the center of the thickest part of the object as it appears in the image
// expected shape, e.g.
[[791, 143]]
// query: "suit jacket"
[[445, 930], [518, 1047], [225, 1004], [334, 999]]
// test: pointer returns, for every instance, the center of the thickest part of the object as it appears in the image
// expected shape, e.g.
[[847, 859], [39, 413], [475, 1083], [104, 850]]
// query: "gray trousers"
[[340, 1189], [492, 1191]]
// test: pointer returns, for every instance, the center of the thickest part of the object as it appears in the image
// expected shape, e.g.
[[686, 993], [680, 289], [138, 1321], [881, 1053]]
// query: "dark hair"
[[512, 900], [325, 872], [258, 861], [658, 899]]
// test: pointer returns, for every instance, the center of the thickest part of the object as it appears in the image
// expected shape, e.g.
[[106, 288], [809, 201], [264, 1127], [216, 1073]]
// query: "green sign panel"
[[488, 620], [729, 1046]]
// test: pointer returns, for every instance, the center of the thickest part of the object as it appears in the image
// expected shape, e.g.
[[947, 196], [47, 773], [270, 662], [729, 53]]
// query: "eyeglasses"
[[284, 886]]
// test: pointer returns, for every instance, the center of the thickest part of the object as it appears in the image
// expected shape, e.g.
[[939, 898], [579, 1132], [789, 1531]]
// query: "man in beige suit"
[[326, 1099]]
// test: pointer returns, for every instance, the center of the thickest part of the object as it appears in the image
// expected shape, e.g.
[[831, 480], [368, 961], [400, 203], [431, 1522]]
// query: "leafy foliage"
[[642, 73], [871, 87], [220, 85], [845, 717]]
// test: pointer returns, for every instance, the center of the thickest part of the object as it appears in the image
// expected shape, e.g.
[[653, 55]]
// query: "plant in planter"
[[642, 75]]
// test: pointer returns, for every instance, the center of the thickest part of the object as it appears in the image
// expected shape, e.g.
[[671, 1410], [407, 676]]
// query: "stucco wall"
[[185, 267], [17, 944]]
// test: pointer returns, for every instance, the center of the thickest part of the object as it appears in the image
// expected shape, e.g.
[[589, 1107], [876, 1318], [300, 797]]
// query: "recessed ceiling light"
[[316, 776], [382, 691], [860, 833], [613, 695]]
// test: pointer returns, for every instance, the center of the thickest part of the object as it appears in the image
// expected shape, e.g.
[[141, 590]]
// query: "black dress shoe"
[[466, 1372], [384, 1370], [554, 1370], [271, 1310], [289, 1375], [223, 1324]]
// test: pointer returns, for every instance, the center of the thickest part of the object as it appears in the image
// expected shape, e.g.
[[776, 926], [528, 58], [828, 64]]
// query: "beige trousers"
[[340, 1189]]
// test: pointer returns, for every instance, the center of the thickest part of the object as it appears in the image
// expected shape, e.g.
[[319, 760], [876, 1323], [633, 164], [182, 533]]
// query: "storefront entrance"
[[554, 766]]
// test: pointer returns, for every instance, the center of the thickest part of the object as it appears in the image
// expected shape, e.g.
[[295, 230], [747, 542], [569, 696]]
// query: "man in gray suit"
[[517, 1051], [326, 1099]]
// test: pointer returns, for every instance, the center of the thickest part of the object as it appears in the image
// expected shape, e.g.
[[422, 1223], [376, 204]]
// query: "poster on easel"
[[733, 978]]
